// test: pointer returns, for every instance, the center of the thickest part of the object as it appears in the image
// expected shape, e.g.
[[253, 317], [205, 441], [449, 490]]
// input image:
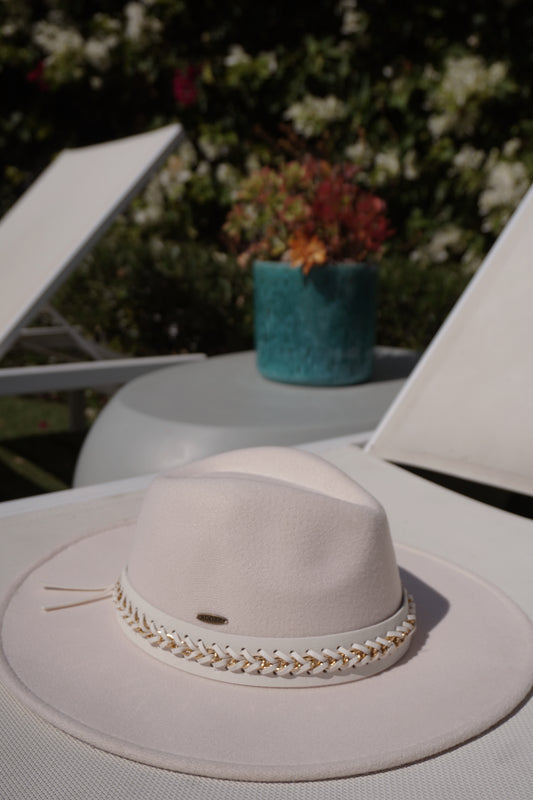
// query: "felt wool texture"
[[77, 669], [273, 558]]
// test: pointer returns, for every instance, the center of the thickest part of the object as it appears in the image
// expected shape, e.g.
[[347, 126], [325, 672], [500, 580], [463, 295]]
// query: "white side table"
[[175, 415]]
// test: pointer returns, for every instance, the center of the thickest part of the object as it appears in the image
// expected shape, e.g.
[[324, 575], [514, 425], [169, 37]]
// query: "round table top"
[[192, 410]]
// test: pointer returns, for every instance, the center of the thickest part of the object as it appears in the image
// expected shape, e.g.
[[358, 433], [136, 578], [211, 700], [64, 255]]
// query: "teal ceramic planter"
[[318, 329]]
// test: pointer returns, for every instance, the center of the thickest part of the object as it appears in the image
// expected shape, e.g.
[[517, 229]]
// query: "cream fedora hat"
[[256, 623]]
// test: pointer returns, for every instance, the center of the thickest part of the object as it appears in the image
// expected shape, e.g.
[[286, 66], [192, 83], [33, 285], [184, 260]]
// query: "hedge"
[[431, 100]]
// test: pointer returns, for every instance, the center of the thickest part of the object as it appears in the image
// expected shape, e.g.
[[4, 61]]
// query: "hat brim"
[[469, 665]]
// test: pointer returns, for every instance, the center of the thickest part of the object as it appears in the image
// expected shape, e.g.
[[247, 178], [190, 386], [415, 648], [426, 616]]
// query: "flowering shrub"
[[306, 212], [433, 100]]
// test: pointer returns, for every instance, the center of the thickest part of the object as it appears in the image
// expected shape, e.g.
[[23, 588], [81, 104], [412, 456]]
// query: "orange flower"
[[305, 252]]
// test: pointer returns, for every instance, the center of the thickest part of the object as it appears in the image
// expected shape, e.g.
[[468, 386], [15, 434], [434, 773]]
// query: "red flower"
[[184, 85], [36, 76]]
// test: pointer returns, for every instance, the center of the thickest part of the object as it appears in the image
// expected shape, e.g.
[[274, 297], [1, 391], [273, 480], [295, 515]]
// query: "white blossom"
[[430, 73], [468, 158], [270, 60], [252, 163], [203, 169], [138, 24], [506, 184], [56, 39], [147, 215], [311, 116], [410, 168], [387, 165], [360, 153], [173, 176], [152, 206], [166, 186], [187, 154], [444, 243], [177, 171], [440, 123], [157, 246], [511, 147], [212, 149], [98, 51], [8, 29], [227, 175], [467, 77], [236, 56], [134, 13], [466, 82], [471, 260], [352, 21]]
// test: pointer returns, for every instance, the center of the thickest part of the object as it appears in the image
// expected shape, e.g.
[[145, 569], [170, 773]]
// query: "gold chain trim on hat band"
[[263, 662]]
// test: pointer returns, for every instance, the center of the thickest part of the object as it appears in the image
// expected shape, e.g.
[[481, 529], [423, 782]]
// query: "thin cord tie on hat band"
[[257, 661], [101, 593]]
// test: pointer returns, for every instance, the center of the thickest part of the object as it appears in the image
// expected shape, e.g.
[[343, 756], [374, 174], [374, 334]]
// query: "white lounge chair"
[[467, 409], [46, 234]]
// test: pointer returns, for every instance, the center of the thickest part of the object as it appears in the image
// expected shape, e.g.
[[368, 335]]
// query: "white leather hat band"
[[257, 661]]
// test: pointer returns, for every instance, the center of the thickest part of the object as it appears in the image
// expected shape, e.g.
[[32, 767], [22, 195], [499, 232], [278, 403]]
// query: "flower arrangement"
[[308, 213]]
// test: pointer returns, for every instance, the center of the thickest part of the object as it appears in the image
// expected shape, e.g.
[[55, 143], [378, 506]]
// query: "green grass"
[[38, 452], [32, 416]]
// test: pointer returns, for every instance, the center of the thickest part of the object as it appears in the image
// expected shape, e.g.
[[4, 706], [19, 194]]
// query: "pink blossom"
[[184, 85], [36, 76]]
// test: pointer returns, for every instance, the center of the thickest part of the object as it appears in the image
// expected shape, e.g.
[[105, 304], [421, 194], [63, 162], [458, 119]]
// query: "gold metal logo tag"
[[212, 619]]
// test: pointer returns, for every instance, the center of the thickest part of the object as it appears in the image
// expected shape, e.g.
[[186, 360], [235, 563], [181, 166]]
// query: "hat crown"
[[276, 541]]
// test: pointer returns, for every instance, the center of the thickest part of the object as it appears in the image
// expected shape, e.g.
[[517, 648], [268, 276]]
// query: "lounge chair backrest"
[[467, 409], [61, 216]]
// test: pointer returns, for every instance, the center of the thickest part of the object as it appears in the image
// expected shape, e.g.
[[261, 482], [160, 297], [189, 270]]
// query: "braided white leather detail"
[[184, 645]]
